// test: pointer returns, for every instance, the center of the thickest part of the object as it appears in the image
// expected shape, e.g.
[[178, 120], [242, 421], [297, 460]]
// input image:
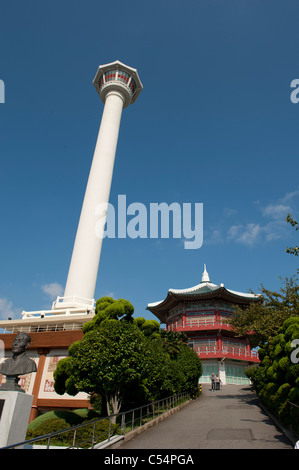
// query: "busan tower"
[[118, 86]]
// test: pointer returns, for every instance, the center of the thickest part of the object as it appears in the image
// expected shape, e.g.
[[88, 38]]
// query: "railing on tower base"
[[74, 302]]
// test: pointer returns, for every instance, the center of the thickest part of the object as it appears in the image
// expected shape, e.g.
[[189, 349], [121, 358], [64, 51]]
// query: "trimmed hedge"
[[276, 379], [71, 418], [54, 421]]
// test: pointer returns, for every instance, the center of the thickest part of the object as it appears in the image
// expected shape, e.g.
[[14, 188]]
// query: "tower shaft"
[[84, 264], [118, 86]]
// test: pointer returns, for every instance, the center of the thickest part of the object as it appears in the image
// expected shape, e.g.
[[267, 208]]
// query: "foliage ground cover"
[[276, 379], [84, 435]]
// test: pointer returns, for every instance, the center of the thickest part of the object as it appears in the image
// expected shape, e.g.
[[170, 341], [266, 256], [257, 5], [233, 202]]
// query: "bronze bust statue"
[[18, 364]]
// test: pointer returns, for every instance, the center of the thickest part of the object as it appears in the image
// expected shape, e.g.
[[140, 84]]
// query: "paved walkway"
[[226, 419]]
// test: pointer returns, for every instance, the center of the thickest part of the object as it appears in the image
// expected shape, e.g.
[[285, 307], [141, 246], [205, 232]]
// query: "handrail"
[[197, 323], [136, 418], [293, 404], [41, 327], [231, 350], [75, 301]]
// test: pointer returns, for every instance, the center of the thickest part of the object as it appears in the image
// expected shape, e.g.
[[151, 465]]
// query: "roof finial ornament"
[[205, 275]]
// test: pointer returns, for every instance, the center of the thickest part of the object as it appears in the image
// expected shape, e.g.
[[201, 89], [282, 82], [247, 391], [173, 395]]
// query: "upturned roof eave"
[[160, 309]]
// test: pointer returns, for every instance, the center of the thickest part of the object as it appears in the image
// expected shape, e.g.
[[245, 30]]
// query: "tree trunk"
[[116, 401]]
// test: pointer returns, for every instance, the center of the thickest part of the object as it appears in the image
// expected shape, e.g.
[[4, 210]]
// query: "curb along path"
[[230, 418]]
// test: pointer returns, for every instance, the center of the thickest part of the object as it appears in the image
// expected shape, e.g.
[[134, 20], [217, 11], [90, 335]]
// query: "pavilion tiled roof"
[[206, 290]]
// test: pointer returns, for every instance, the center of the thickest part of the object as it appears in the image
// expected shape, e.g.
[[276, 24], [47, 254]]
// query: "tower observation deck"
[[120, 78]]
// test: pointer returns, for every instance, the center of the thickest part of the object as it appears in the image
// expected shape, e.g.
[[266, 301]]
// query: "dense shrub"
[[276, 379], [71, 418], [191, 367], [83, 435], [126, 361]]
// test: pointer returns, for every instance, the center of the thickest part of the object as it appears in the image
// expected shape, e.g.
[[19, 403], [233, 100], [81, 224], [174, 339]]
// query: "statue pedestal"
[[15, 410]]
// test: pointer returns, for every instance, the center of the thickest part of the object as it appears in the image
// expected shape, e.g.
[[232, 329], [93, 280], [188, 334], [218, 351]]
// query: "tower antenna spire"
[[205, 275]]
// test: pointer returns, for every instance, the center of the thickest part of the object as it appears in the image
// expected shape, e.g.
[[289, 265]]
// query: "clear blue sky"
[[213, 124]]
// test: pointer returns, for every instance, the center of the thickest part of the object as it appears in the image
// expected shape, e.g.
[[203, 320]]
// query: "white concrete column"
[[222, 373], [85, 260]]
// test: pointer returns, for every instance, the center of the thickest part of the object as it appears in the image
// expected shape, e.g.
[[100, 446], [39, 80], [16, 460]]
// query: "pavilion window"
[[205, 344], [228, 345]]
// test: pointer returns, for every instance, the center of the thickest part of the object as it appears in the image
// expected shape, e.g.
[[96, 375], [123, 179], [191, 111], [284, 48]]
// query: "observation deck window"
[[110, 75], [123, 77], [101, 81], [132, 85], [120, 76]]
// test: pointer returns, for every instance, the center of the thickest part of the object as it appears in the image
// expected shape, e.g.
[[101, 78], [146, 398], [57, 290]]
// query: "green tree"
[[125, 359], [189, 363], [110, 309], [262, 319], [173, 341], [150, 328], [104, 362], [158, 380], [276, 378]]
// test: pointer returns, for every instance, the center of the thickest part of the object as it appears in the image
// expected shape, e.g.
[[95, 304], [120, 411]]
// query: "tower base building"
[[202, 312], [51, 335]]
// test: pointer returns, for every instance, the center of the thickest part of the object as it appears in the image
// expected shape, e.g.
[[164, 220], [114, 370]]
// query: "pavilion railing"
[[198, 323], [225, 351]]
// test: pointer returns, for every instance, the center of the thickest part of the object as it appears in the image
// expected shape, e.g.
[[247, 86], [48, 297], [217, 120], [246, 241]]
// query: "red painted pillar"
[[38, 378], [184, 321], [219, 342]]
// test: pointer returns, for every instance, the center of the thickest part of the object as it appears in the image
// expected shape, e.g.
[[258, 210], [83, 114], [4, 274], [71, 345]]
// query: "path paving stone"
[[230, 418]]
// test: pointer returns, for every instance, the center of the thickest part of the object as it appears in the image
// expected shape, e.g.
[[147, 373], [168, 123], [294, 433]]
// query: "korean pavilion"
[[202, 312]]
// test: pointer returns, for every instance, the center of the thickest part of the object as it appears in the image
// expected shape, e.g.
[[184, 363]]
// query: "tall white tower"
[[118, 86]]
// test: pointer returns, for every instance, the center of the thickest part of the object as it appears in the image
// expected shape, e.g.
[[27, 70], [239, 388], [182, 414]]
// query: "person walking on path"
[[213, 382]]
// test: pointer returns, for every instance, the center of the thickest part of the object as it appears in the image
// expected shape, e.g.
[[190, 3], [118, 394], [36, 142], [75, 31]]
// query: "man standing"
[[213, 381]]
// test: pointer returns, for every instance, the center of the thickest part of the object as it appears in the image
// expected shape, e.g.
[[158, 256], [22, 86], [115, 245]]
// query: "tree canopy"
[[122, 358], [276, 379], [263, 318]]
